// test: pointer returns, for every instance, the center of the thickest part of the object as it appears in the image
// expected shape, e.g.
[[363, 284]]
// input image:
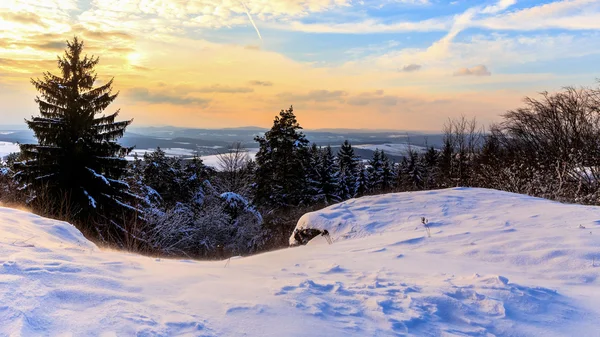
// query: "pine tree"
[[415, 171], [329, 184], [280, 179], [348, 165], [446, 164], [375, 171], [430, 165], [387, 173], [363, 185], [313, 176], [77, 154]]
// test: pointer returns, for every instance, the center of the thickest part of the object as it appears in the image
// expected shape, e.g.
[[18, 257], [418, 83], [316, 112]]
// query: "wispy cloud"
[[479, 70], [144, 95], [261, 83], [411, 68], [223, 89]]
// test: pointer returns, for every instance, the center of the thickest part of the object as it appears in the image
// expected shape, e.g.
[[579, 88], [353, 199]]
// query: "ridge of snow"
[[496, 264]]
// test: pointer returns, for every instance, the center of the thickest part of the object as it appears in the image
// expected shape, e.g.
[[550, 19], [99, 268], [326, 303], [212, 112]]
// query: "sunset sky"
[[387, 64]]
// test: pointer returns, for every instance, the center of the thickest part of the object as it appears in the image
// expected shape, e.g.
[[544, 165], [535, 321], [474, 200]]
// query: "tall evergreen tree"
[[348, 165], [329, 184], [446, 163], [430, 166], [375, 171], [363, 185], [281, 163], [387, 173], [415, 171], [313, 176], [77, 154]]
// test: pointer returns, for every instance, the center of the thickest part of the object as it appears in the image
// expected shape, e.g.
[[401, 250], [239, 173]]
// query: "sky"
[[376, 64]]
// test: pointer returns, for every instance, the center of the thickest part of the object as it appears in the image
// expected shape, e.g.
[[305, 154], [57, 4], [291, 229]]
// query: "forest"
[[165, 206]]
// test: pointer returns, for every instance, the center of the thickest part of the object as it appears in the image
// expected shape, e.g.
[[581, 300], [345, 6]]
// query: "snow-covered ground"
[[394, 149], [8, 148], [208, 160], [213, 160], [495, 264], [170, 152]]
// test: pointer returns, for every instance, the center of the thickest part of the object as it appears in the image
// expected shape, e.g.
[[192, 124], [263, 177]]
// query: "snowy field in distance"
[[213, 160], [496, 264], [393, 149], [171, 152], [8, 148], [209, 160]]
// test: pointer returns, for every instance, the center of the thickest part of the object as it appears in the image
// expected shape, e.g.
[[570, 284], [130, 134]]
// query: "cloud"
[[223, 89], [566, 14], [314, 96], [25, 18], [411, 68], [479, 70], [261, 83], [373, 98], [144, 95], [498, 7], [368, 26]]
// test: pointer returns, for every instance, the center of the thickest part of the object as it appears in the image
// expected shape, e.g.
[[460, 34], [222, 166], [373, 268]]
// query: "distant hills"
[[213, 141]]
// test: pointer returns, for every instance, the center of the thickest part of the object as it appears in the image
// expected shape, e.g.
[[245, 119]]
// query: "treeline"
[[161, 205]]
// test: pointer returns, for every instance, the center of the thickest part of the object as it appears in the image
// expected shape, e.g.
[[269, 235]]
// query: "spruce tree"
[[280, 179], [77, 156], [430, 166], [387, 173], [415, 171], [313, 176], [446, 163], [376, 171], [363, 184], [329, 184], [348, 165]]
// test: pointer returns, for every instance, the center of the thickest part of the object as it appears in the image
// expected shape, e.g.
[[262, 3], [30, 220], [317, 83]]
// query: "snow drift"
[[495, 264]]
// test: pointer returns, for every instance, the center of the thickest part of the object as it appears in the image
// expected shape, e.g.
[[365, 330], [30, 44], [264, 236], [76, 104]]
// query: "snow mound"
[[495, 264], [20, 229]]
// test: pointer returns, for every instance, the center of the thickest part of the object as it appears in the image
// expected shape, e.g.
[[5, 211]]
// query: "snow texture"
[[393, 149], [213, 160], [8, 148], [209, 160], [496, 264]]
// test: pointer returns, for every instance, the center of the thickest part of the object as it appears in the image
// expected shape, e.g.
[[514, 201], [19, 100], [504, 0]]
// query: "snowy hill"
[[495, 264]]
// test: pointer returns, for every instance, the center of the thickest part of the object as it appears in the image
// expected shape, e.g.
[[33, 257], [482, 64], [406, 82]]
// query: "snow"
[[8, 148], [170, 152], [496, 264], [209, 160], [393, 149], [213, 160]]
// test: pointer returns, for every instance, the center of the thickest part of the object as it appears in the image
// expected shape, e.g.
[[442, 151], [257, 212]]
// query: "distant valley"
[[188, 142]]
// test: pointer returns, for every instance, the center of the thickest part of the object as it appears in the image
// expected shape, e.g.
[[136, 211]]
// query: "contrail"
[[251, 20]]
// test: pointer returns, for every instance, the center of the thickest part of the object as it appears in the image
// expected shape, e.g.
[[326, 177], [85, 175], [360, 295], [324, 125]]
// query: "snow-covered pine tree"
[[348, 165], [387, 173], [77, 156], [158, 174], [329, 184], [313, 176], [376, 171], [446, 163], [363, 185], [415, 170], [430, 165], [280, 179]]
